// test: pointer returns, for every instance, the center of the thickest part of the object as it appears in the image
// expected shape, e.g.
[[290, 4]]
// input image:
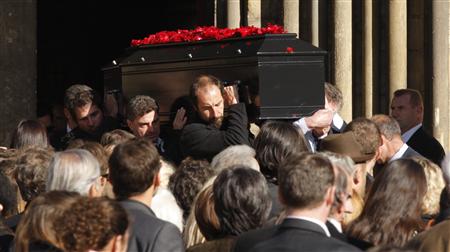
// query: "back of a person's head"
[[233, 156], [274, 143], [206, 218], [387, 125], [401, 185], [366, 134], [37, 224], [333, 95], [188, 180], [133, 166], [32, 166], [91, 224], [116, 137], [241, 200], [29, 133], [73, 170], [99, 153], [342, 165], [435, 185], [304, 180]]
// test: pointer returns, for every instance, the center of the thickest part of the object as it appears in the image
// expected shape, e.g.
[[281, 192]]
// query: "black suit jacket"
[[291, 235], [200, 140], [427, 146], [148, 233]]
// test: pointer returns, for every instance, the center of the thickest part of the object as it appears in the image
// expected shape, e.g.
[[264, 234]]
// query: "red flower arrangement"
[[205, 33]]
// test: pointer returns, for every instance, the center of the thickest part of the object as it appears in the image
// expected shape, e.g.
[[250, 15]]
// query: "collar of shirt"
[[301, 124], [408, 134], [316, 221], [336, 224], [399, 153], [337, 120]]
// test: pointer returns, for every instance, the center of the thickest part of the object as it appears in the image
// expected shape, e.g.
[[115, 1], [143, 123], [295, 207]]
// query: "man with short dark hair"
[[134, 174], [212, 132], [407, 109], [82, 105], [143, 121], [308, 197]]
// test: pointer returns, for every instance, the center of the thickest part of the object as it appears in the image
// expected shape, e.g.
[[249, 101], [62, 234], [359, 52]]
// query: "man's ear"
[[329, 196], [156, 180]]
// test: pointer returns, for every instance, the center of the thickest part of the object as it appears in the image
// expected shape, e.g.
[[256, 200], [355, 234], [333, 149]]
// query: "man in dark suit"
[[308, 197], [392, 146], [211, 132], [407, 109], [134, 169]]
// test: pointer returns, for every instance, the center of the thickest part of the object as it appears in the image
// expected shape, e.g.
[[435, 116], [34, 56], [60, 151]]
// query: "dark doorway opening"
[[77, 37]]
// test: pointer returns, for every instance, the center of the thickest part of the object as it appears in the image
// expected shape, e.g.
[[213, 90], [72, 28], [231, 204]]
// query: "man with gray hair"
[[75, 170], [392, 146]]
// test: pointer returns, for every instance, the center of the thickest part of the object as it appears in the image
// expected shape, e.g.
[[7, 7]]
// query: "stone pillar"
[[440, 64], [18, 64], [234, 13], [291, 15], [254, 13], [342, 54], [315, 22], [368, 57], [397, 45]]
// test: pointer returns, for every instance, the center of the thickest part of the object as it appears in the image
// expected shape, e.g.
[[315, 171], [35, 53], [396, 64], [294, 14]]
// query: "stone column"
[[342, 54], [18, 64], [291, 15], [234, 13], [315, 22], [254, 13], [440, 64], [397, 46], [368, 57]]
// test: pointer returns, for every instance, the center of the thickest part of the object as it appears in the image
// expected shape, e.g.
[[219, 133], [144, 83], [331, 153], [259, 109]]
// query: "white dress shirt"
[[399, 153]]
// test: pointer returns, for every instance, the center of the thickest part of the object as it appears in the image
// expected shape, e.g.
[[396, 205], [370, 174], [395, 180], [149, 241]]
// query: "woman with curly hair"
[[98, 224], [392, 212]]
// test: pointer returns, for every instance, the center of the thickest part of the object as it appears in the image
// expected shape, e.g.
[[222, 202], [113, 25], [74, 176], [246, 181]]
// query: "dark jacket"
[[200, 140], [148, 233], [291, 235], [427, 146]]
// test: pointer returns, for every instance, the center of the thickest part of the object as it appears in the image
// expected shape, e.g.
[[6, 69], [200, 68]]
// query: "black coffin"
[[279, 75]]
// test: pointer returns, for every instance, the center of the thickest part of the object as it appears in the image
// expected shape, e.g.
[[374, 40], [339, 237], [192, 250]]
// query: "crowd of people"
[[90, 177]]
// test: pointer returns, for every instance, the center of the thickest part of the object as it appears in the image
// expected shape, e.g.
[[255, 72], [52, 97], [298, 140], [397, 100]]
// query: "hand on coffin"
[[229, 96], [320, 119], [180, 119]]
